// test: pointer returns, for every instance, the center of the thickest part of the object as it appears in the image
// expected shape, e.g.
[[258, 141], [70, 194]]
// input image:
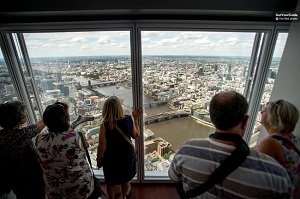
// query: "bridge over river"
[[100, 84], [165, 116], [151, 119]]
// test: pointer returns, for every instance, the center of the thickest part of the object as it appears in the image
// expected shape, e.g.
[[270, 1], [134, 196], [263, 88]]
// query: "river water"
[[175, 131]]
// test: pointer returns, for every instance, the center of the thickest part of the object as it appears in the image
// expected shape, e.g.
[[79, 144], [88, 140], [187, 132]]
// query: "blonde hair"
[[282, 115], [112, 111]]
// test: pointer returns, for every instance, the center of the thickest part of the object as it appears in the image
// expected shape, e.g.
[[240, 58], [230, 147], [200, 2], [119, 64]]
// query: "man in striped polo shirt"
[[259, 176]]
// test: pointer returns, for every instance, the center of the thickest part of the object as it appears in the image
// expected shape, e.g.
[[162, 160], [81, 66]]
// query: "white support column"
[[287, 84]]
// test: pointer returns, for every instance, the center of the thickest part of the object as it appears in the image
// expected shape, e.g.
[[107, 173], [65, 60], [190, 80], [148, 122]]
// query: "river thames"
[[175, 131]]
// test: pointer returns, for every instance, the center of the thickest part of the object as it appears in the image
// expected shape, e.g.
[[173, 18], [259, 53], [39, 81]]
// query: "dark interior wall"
[[73, 10], [63, 5]]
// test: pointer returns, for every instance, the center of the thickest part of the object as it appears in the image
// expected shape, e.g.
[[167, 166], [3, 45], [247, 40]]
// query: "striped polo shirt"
[[260, 176]]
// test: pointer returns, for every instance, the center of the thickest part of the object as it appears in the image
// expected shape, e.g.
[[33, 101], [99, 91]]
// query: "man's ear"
[[244, 122]]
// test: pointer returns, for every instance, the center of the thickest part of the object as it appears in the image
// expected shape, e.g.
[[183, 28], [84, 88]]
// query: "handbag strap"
[[86, 152], [124, 136], [287, 141], [90, 162], [227, 166]]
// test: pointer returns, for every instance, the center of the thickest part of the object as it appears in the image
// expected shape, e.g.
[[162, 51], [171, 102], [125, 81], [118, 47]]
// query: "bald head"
[[227, 109]]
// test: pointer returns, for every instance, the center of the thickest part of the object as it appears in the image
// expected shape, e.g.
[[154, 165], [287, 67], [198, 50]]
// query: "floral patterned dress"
[[66, 171]]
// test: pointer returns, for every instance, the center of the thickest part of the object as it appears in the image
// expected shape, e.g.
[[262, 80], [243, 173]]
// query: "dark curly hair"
[[11, 114], [227, 109], [56, 117]]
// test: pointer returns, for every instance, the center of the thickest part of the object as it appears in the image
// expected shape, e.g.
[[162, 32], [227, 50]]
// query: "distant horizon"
[[1, 58], [144, 56]]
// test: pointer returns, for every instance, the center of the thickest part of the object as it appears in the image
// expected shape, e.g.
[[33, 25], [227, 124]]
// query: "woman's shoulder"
[[270, 141], [127, 116], [287, 141], [30, 130], [32, 127], [64, 135], [269, 146], [69, 134], [27, 132]]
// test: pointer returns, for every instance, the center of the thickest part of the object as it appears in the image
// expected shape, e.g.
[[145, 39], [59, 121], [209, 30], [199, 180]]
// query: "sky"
[[102, 43]]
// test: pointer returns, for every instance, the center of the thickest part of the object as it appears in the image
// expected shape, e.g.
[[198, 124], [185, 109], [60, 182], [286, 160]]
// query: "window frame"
[[263, 56]]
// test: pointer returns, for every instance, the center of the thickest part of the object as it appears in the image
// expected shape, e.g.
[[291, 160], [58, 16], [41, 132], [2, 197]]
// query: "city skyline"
[[145, 56]]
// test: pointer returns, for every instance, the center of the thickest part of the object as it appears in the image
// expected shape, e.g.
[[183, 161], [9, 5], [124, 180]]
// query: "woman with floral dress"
[[67, 173]]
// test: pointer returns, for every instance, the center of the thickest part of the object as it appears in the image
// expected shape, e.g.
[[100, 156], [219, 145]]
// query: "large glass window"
[[82, 69], [182, 70], [7, 90]]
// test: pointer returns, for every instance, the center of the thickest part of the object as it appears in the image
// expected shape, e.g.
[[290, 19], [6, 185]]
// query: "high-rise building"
[[216, 68], [200, 71], [65, 90], [9, 89], [47, 84]]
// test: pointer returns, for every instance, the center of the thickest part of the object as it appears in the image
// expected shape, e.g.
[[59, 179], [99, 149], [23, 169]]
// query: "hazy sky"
[[153, 43]]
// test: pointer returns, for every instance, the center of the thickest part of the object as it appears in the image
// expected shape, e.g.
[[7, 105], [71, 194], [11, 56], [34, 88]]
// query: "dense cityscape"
[[173, 86]]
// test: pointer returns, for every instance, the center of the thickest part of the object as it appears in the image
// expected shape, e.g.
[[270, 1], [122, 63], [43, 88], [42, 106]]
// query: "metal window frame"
[[253, 60], [263, 65], [28, 66], [14, 68]]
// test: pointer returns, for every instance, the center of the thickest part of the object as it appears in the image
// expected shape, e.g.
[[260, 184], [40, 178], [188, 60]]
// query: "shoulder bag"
[[97, 192]]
